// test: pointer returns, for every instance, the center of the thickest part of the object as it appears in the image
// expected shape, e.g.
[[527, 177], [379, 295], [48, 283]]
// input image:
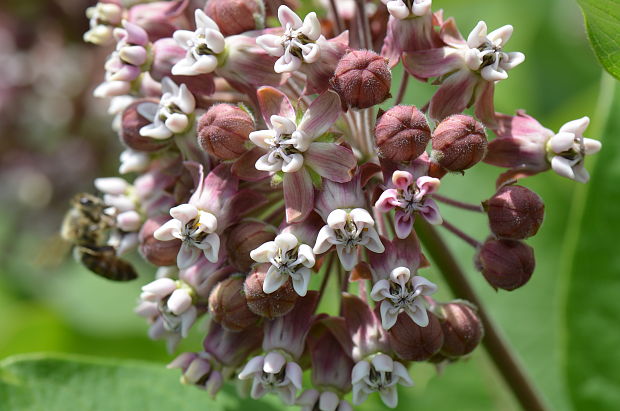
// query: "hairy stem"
[[498, 348], [403, 88], [458, 204]]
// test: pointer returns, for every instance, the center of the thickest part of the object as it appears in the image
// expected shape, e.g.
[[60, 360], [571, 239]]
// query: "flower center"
[[193, 232], [293, 41], [402, 296], [491, 54], [199, 47], [270, 380], [285, 261], [379, 380], [350, 235]]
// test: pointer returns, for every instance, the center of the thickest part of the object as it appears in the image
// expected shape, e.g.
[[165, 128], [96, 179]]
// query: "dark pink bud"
[[243, 238], [414, 343], [362, 78], [506, 264], [459, 142], [515, 212], [228, 306], [236, 16], [160, 253], [132, 122], [224, 130], [462, 329], [273, 305], [402, 133]]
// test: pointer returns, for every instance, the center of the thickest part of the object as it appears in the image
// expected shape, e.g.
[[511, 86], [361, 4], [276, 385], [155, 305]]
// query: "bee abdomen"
[[104, 262]]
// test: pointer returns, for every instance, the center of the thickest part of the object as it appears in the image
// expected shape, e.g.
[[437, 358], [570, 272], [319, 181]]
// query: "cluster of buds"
[[262, 171]]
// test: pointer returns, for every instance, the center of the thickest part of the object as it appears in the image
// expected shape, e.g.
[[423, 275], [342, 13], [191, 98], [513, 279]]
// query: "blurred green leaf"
[[41, 382], [603, 24], [591, 300]]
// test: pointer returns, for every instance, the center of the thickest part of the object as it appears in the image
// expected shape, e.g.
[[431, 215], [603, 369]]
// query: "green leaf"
[[592, 358], [42, 382], [602, 19]]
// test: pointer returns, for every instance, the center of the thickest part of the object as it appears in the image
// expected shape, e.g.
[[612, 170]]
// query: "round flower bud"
[[159, 253], [223, 131], [273, 305], [228, 306], [402, 133], [243, 238], [362, 79], [236, 16], [459, 143], [506, 264], [131, 123], [462, 329], [414, 343], [515, 212]]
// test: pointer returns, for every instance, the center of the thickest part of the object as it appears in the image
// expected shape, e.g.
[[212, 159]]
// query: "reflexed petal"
[[288, 17], [187, 256], [401, 371], [454, 95], [258, 390], [188, 318], [359, 395], [148, 110], [298, 195], [273, 102], [263, 253], [577, 127], [432, 63], [211, 247], [169, 231], [417, 314], [427, 287], [294, 374], [430, 212], [322, 113], [184, 213], [563, 141], [563, 167], [389, 396], [325, 239], [348, 257], [360, 371], [378, 290], [332, 161], [254, 366], [389, 315], [301, 281], [581, 174], [273, 280], [403, 224], [274, 362], [373, 242], [197, 370]]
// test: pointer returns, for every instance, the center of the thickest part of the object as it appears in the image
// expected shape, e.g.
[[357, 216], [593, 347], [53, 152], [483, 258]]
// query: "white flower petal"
[[264, 252], [179, 301], [254, 366], [563, 141], [184, 213], [273, 280]]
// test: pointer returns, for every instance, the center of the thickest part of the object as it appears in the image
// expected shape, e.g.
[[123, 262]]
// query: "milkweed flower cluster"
[[257, 170]]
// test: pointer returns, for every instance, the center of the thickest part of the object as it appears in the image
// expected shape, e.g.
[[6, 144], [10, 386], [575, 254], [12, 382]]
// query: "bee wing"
[[52, 253]]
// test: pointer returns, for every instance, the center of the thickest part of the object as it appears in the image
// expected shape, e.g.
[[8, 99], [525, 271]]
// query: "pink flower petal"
[[403, 224], [273, 102], [402, 179], [430, 212], [454, 95], [298, 195], [387, 201], [432, 63], [322, 113], [331, 161], [289, 17]]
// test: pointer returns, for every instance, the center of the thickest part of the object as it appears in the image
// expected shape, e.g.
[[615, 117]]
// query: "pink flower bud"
[[362, 78], [459, 142], [224, 130], [228, 306], [243, 238], [506, 264], [236, 16], [462, 329], [515, 212], [402, 133], [132, 122], [160, 253], [414, 343], [272, 305]]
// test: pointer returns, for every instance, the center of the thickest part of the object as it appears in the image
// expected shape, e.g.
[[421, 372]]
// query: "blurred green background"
[[563, 324]]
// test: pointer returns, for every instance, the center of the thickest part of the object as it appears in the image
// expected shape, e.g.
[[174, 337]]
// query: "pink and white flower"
[[402, 9], [313, 400], [273, 373], [381, 374], [203, 47], [173, 114], [410, 196], [288, 258], [102, 19]]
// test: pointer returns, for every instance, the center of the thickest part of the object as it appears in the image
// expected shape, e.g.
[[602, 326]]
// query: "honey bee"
[[87, 226]]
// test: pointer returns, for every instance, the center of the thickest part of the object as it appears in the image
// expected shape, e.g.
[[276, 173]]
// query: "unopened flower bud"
[[160, 253], [236, 16], [414, 343], [402, 133], [506, 264], [362, 78], [275, 304], [224, 130], [243, 238], [459, 143], [131, 123], [515, 212], [228, 306], [462, 329]]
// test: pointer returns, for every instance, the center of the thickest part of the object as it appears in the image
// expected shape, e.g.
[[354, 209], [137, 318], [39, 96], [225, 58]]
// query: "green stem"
[[498, 348]]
